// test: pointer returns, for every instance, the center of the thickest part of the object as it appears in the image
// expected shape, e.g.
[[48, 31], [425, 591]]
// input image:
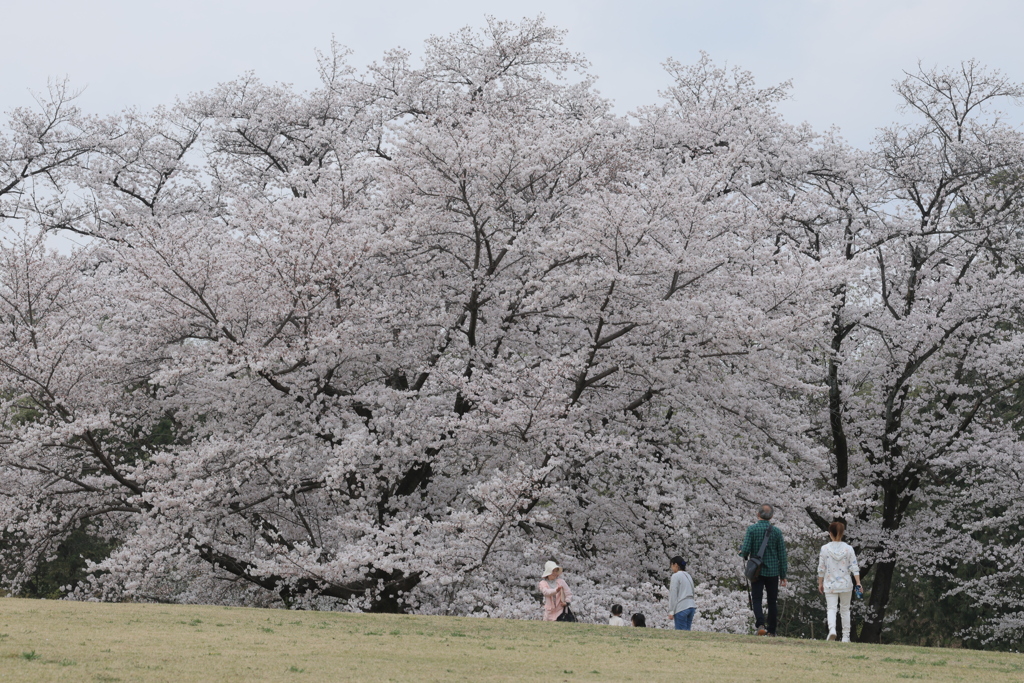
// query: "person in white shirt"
[[836, 563], [616, 618]]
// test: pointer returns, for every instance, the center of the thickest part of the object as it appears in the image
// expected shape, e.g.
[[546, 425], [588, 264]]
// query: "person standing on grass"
[[616, 618], [836, 563], [555, 590], [639, 621], [773, 569], [681, 605]]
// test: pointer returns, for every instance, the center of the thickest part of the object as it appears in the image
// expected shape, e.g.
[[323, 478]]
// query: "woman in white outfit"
[[836, 563]]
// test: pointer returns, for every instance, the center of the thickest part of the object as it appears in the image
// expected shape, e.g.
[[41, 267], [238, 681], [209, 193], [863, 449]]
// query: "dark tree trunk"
[[383, 598], [840, 445], [871, 631], [896, 500]]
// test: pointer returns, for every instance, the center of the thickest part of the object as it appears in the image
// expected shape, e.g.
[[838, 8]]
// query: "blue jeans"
[[684, 619]]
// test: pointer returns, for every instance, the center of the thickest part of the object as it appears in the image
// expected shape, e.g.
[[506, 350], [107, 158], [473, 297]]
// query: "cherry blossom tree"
[[414, 333], [391, 344], [922, 243]]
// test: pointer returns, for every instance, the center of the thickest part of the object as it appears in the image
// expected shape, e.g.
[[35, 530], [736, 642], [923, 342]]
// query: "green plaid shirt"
[[774, 562]]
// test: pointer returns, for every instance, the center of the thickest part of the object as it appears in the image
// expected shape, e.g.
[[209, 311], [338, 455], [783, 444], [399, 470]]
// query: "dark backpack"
[[753, 569]]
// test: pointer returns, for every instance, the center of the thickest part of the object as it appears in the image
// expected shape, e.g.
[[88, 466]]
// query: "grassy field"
[[64, 641]]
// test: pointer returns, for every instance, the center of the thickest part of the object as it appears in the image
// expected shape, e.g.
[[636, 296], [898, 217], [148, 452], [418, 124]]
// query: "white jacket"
[[835, 564]]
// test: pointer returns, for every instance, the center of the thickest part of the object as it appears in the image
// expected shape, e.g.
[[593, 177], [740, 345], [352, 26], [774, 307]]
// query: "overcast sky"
[[842, 55]]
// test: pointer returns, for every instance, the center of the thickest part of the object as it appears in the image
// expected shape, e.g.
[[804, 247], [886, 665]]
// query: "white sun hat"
[[549, 567]]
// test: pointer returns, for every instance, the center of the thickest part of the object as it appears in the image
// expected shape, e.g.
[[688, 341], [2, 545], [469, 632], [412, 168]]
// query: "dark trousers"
[[757, 589]]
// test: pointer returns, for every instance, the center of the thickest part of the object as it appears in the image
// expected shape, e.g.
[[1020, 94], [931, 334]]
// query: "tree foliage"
[[390, 344]]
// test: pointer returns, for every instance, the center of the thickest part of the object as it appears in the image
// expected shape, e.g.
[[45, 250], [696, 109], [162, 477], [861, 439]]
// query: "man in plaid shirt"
[[773, 569]]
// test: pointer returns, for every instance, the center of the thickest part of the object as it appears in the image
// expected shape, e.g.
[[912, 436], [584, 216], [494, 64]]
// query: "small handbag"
[[753, 569], [566, 615]]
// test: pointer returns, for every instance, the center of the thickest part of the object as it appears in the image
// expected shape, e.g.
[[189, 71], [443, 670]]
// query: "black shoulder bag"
[[753, 569], [566, 615]]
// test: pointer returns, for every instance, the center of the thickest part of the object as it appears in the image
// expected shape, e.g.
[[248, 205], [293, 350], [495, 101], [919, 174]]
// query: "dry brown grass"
[[62, 641]]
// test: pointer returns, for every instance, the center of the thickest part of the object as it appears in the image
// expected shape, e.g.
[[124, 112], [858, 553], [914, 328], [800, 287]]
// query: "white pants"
[[832, 600]]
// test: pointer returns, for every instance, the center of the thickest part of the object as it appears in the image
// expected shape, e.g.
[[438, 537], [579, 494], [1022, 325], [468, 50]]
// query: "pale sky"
[[842, 55]]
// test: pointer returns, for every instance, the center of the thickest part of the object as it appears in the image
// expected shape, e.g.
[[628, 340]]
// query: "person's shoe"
[[831, 635], [762, 631]]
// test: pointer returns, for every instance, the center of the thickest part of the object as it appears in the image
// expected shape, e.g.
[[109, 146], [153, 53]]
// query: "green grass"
[[63, 641]]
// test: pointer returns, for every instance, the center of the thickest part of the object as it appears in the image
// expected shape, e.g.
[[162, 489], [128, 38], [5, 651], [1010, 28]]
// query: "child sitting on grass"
[[616, 618]]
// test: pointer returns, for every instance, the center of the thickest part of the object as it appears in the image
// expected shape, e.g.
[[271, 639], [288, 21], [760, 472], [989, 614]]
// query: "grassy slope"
[[131, 642]]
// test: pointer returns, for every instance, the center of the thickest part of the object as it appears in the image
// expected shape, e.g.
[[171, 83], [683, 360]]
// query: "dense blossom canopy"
[[392, 344]]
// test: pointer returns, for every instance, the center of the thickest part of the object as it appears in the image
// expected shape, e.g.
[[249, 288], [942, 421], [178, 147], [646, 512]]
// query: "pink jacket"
[[553, 603]]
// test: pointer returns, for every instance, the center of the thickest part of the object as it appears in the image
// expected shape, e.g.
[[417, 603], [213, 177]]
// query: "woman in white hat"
[[556, 591]]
